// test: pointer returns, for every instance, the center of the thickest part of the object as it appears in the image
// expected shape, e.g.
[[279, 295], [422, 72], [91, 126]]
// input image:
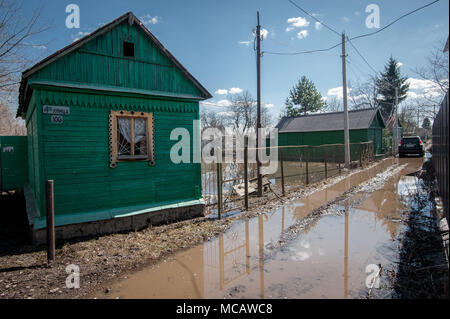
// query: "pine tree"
[[386, 84], [303, 98], [426, 123]]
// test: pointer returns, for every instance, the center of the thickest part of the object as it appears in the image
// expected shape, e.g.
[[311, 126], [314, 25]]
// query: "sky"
[[214, 40]]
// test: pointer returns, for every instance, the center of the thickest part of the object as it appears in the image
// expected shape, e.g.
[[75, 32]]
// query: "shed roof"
[[131, 18], [334, 121]]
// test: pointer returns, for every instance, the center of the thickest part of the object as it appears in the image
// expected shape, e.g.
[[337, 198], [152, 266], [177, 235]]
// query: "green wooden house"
[[328, 128], [99, 114]]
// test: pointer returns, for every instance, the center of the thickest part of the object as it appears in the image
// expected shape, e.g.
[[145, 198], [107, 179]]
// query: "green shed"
[[13, 163], [328, 128], [99, 115]]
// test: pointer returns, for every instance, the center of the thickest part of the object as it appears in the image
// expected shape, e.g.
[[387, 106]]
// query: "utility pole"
[[344, 88], [395, 118], [258, 103]]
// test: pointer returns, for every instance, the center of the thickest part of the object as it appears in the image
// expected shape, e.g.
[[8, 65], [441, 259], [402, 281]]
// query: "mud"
[[304, 249]]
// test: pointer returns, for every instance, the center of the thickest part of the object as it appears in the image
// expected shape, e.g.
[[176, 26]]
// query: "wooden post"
[[325, 161], [246, 174], [360, 154], [219, 184], [282, 171], [339, 162], [307, 168], [50, 210]]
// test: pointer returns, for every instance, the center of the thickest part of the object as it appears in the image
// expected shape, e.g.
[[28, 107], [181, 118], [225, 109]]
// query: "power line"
[[356, 37], [362, 57], [312, 16], [303, 52], [399, 18]]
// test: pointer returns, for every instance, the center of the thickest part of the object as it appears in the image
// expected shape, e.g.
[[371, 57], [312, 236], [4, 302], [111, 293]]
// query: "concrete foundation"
[[120, 224]]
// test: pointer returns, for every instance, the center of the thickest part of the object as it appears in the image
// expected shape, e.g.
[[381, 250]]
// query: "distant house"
[[99, 115], [390, 125], [328, 128]]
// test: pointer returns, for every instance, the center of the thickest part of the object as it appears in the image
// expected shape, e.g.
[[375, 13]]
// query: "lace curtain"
[[124, 126]]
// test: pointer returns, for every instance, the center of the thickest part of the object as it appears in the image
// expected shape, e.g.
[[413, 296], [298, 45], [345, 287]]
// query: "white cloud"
[[244, 42], [318, 25], [338, 92], [40, 47], [298, 22], [224, 102], [235, 90], [269, 105], [289, 29], [221, 91], [225, 113], [77, 36], [148, 19], [302, 34], [419, 88]]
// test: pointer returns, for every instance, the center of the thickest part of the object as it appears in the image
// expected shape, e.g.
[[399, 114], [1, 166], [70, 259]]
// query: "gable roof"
[[334, 121], [389, 122], [131, 18]]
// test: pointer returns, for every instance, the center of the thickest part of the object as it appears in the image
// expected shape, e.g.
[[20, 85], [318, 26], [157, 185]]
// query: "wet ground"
[[294, 251]]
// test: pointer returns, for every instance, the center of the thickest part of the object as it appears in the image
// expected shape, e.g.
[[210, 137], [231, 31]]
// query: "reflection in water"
[[238, 264], [346, 252]]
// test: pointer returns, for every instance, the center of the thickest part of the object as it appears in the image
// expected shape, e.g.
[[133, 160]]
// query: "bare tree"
[[334, 105], [363, 95], [16, 35], [243, 113], [436, 71], [212, 119], [9, 125]]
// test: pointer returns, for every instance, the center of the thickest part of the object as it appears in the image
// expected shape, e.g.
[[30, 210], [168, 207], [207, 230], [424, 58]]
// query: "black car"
[[410, 145]]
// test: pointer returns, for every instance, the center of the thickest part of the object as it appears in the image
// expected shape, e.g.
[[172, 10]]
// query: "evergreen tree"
[[303, 98], [426, 123], [386, 84]]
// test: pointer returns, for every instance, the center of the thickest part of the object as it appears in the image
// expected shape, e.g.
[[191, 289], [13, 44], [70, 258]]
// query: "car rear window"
[[410, 140]]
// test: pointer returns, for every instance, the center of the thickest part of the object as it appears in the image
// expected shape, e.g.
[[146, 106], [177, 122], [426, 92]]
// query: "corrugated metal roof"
[[358, 119]]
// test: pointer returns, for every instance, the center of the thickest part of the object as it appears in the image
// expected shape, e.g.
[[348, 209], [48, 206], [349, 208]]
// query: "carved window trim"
[[113, 141]]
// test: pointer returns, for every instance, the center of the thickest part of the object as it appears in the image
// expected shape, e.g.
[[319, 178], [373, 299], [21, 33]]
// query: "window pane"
[[123, 136], [140, 136]]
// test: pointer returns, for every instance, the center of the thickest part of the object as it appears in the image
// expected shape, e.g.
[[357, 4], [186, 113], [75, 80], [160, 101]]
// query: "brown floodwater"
[[325, 259]]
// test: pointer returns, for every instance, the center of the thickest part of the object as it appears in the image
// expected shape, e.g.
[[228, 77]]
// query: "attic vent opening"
[[128, 49]]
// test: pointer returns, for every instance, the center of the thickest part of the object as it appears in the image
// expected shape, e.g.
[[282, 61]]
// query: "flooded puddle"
[[326, 259]]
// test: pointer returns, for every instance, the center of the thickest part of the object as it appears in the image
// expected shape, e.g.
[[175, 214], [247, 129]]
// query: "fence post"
[[360, 154], [307, 160], [219, 184], [339, 163], [246, 173], [50, 211], [325, 161], [282, 171]]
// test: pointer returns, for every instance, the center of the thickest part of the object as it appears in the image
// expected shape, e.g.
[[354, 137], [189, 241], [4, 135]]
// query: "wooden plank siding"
[[76, 155], [76, 152], [101, 62]]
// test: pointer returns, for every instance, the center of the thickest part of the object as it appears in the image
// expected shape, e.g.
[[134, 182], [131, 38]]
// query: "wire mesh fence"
[[225, 184]]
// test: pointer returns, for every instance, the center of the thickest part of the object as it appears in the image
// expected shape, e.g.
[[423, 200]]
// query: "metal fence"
[[440, 151], [224, 184]]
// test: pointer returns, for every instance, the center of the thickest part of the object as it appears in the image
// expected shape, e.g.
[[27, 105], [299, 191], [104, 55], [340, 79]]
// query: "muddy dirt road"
[[294, 251]]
